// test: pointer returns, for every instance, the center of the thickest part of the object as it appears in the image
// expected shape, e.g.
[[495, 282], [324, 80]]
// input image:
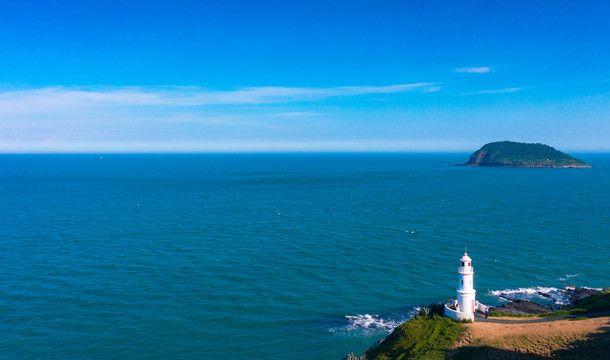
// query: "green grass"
[[498, 314], [423, 337], [597, 303], [600, 302]]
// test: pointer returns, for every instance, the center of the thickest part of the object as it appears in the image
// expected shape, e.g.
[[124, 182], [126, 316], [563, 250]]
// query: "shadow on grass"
[[597, 346], [488, 352]]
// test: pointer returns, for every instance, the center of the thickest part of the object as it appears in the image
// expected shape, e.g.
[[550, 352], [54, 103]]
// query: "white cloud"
[[498, 91], [68, 115], [433, 89], [48, 99], [293, 114], [474, 70], [59, 146]]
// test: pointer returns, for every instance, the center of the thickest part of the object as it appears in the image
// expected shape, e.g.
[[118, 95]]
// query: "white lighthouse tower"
[[465, 290], [465, 306]]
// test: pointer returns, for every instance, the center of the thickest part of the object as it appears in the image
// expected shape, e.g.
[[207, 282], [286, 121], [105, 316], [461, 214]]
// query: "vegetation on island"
[[515, 154]]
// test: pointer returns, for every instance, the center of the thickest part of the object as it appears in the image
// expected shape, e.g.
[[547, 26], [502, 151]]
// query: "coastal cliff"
[[581, 332], [514, 154]]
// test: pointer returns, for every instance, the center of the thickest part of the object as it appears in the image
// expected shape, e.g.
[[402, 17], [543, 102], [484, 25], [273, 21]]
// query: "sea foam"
[[370, 322], [367, 323]]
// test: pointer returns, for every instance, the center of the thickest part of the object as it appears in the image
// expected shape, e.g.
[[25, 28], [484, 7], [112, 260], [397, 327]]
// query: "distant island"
[[515, 154]]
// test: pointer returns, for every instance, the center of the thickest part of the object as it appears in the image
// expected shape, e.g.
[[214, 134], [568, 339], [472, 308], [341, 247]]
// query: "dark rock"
[[546, 295], [522, 307], [576, 295]]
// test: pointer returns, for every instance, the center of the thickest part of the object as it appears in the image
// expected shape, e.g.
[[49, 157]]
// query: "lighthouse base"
[[456, 314]]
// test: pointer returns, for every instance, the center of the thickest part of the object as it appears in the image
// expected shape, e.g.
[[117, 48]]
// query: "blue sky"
[[225, 76]]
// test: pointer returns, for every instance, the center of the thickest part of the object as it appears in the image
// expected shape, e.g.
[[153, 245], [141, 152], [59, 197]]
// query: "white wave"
[[528, 291], [370, 322], [567, 288], [365, 323]]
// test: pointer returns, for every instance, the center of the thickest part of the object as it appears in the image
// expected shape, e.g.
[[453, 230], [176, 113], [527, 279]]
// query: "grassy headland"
[[423, 337], [430, 336], [587, 338], [427, 335]]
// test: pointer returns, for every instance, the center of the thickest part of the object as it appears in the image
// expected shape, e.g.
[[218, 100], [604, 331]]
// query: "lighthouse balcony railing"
[[455, 313]]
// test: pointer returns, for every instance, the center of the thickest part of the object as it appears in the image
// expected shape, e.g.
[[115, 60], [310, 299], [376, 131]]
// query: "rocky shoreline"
[[576, 295], [521, 307], [526, 307]]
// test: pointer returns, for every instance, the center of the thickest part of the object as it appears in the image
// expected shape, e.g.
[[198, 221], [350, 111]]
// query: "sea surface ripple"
[[275, 256]]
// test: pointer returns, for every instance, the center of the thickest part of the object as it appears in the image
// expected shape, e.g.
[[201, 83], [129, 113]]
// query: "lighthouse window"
[[462, 264], [468, 264], [462, 282]]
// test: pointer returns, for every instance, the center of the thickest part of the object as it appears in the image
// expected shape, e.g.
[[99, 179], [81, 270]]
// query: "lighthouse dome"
[[466, 258]]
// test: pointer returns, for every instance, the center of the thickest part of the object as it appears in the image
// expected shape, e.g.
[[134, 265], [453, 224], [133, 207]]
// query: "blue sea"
[[275, 256]]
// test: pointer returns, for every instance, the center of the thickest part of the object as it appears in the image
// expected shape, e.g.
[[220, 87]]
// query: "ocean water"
[[275, 256]]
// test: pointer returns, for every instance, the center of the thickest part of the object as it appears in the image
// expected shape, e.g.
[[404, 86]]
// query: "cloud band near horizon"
[[172, 118], [168, 96]]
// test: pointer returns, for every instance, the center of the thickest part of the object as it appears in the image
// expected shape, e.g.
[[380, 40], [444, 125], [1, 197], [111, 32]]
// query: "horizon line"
[[229, 152]]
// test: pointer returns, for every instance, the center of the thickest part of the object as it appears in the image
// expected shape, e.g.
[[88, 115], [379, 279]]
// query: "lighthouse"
[[465, 306], [465, 290]]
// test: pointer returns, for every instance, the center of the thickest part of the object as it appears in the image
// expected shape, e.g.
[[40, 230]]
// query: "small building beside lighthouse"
[[465, 305]]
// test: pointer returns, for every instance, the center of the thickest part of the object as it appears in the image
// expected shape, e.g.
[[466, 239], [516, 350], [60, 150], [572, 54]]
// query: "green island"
[[581, 332], [515, 154]]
